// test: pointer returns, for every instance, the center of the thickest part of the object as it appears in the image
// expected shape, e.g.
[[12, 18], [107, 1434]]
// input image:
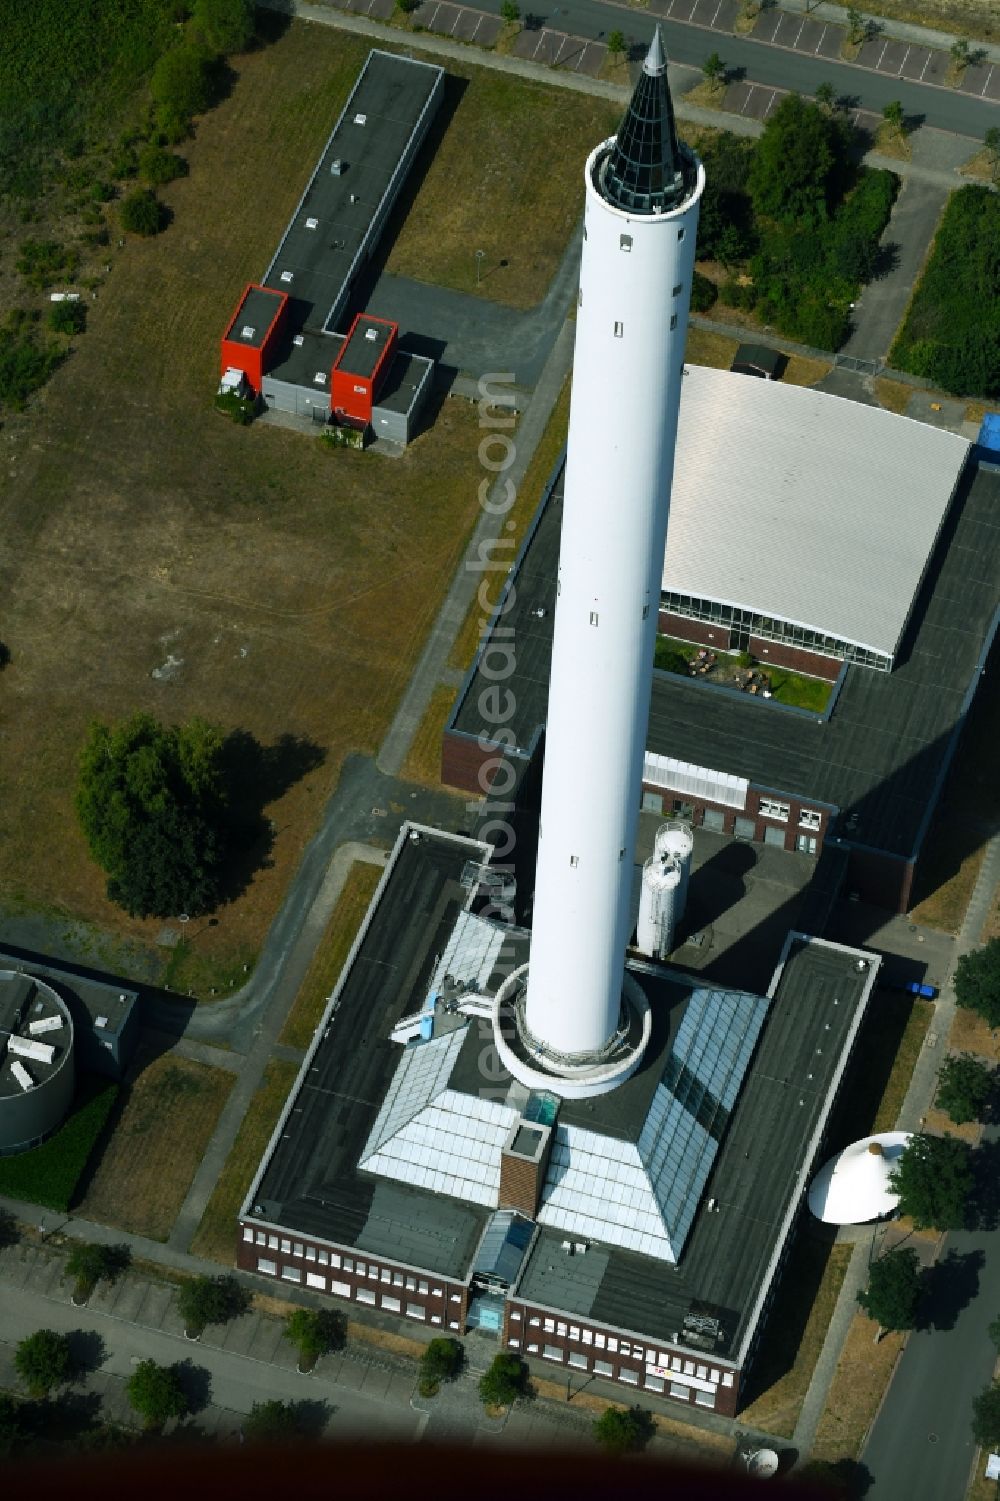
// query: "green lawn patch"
[[786, 687], [951, 335], [48, 1174]]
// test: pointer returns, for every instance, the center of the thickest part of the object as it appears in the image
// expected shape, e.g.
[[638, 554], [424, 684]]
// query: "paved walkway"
[[905, 244]]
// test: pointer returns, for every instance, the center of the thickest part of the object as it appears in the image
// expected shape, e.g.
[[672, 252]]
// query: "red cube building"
[[361, 365], [251, 336]]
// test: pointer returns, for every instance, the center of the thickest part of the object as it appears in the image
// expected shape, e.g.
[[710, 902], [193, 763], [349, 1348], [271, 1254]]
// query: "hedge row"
[[48, 1174]]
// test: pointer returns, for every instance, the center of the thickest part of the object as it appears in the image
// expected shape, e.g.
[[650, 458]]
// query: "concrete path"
[[907, 240]]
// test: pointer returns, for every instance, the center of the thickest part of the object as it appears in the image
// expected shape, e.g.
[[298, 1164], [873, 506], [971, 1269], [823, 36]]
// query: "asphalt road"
[[921, 1446], [946, 109]]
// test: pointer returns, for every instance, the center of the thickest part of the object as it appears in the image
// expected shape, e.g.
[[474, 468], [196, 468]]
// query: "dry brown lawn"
[[917, 1024], [801, 370], [162, 1124], [810, 1287], [939, 1123], [981, 1489], [862, 1375], [972, 18], [971, 1034], [215, 1237], [894, 395], [889, 142], [484, 189], [295, 585], [705, 347], [423, 759], [328, 960]]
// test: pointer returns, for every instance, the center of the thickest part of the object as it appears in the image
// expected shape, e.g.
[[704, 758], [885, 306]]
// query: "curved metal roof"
[[805, 507], [853, 1187]]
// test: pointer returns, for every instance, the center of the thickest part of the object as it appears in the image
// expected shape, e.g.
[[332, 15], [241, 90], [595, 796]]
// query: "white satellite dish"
[[853, 1187], [763, 1463]]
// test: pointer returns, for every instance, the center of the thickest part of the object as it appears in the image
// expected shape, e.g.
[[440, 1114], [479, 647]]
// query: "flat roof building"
[[647, 1225], [865, 775]]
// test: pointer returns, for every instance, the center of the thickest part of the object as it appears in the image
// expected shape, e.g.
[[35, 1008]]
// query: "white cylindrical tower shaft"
[[659, 906], [641, 218]]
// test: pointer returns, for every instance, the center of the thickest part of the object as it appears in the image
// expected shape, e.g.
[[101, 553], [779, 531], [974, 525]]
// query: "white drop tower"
[[580, 1021]]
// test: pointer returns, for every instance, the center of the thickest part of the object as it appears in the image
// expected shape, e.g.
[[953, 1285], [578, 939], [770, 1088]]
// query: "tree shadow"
[[62, 1419], [847, 1478], [87, 1352], [196, 1383], [9, 1233], [948, 1287], [983, 1207], [117, 1261], [255, 776], [886, 260]]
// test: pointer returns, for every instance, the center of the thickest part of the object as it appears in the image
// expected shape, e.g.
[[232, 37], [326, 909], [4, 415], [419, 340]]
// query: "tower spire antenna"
[[646, 171]]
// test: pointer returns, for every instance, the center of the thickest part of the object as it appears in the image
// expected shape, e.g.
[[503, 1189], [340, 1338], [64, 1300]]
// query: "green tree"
[[504, 1381], [211, 1300], [156, 1394], [152, 806], [510, 11], [67, 317], [893, 1292], [961, 52], [616, 43], [933, 1179], [713, 69], [141, 213], [227, 25], [441, 1361], [964, 1087], [159, 166], [42, 1360], [894, 117], [986, 1416], [856, 26], [272, 1422], [182, 83], [792, 164], [825, 96], [315, 1331], [89, 1263], [977, 975], [623, 1431]]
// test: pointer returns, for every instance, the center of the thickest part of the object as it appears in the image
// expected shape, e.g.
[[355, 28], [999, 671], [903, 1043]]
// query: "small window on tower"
[[680, 234], [625, 242], [673, 321], [579, 300], [678, 289], [574, 859], [645, 612], [619, 330], [593, 617]]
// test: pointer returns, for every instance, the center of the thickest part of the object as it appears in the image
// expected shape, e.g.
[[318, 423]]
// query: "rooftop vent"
[[360, 119], [100, 1021], [312, 224], [287, 275], [320, 378], [298, 341], [22, 1076], [372, 334], [247, 331]]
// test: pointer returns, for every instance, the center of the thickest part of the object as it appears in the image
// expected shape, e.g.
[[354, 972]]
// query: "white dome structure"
[[853, 1187]]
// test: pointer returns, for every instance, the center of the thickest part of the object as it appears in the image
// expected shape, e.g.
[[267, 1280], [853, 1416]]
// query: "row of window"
[[773, 629], [366, 1295], [652, 1381], [369, 1269]]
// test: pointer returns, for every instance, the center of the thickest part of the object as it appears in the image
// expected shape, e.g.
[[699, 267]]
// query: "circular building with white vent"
[[37, 1071], [853, 1187]]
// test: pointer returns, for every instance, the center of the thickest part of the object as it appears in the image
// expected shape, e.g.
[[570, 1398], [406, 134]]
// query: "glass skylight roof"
[[471, 953]]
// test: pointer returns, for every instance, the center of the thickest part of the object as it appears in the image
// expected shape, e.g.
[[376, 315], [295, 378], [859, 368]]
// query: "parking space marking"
[[715, 15], [986, 83], [923, 70]]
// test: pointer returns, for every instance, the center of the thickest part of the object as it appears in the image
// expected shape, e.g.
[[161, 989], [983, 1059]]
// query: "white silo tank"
[[658, 915], [675, 840]]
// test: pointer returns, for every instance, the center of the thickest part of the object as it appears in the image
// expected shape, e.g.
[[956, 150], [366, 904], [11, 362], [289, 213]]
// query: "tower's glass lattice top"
[[645, 170]]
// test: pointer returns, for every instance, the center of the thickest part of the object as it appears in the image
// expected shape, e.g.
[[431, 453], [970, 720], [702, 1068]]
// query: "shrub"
[[986, 1416], [89, 1263], [239, 408], [156, 1393], [158, 166], [41, 262], [616, 43], [703, 293], [227, 25], [625, 1431], [68, 317], [315, 1331], [441, 1361], [42, 1361], [25, 363], [510, 11], [211, 1300], [142, 213], [504, 1382], [182, 84]]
